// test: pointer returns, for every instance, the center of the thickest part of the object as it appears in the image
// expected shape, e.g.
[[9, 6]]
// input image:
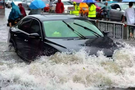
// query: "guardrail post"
[[134, 32], [97, 23], [122, 31], [125, 31], [106, 25]]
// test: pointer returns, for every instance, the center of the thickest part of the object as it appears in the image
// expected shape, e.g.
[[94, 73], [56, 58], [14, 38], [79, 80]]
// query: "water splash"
[[77, 71]]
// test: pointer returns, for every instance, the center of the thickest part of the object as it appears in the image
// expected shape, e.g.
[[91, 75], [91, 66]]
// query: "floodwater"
[[66, 72]]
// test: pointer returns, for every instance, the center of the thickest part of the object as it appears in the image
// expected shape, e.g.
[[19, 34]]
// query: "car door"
[[21, 37], [67, 6], [115, 12], [35, 42]]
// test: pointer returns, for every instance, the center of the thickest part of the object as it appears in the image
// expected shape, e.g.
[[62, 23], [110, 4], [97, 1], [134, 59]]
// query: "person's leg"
[[131, 32], [10, 23], [107, 16], [50, 10], [104, 16]]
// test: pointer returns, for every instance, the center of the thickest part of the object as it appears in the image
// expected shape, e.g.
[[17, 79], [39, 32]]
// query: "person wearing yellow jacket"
[[92, 11], [76, 9]]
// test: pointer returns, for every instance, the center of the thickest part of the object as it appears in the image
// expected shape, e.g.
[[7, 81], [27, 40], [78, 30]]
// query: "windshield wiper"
[[79, 34], [88, 29]]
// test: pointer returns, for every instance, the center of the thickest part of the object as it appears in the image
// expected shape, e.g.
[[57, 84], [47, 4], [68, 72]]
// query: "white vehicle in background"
[[8, 2], [26, 4], [67, 6]]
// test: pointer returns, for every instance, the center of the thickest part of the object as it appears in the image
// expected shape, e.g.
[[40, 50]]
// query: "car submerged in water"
[[37, 35]]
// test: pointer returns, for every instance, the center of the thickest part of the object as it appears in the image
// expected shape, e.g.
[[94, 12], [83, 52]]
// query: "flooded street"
[[78, 71]]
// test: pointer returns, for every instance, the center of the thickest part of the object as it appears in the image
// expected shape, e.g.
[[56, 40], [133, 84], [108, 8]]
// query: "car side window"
[[35, 27], [54, 2], [25, 24], [112, 6], [116, 6]]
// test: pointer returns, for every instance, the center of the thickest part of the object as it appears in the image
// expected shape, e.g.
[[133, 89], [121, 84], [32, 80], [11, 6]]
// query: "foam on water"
[[76, 71]]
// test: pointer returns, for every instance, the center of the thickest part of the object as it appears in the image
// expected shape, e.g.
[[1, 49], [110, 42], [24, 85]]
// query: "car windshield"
[[125, 6], [70, 28], [67, 3]]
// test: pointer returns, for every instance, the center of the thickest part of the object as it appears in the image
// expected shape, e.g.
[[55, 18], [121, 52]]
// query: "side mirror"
[[105, 33], [118, 9], [34, 35]]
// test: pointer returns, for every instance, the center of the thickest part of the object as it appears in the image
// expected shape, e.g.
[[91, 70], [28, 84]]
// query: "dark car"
[[37, 35]]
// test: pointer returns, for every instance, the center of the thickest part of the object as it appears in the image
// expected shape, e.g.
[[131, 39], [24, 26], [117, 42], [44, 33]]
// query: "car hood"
[[68, 6], [92, 46]]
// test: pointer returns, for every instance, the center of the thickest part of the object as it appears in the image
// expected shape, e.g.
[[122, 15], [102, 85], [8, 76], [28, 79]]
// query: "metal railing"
[[116, 30]]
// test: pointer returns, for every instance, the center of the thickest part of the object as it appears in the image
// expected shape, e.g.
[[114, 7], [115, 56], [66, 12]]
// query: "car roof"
[[118, 3], [43, 17]]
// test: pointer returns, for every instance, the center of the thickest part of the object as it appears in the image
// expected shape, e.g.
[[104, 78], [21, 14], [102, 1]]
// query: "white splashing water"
[[70, 72]]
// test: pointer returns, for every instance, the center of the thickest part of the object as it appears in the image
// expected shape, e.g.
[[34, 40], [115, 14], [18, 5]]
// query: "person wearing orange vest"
[[84, 9]]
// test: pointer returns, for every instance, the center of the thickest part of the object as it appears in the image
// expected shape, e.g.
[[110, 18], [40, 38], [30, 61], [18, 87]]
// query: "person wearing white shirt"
[[130, 16]]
